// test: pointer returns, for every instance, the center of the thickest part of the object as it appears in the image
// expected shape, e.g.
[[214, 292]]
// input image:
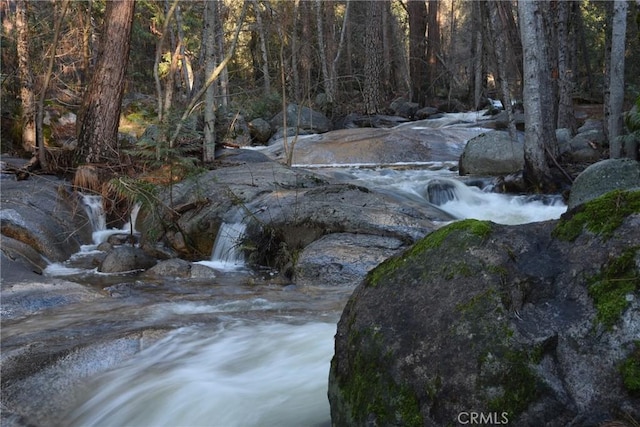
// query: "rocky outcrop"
[[341, 259], [421, 141], [41, 214], [492, 153], [126, 258], [602, 177], [528, 325], [303, 118], [286, 210]]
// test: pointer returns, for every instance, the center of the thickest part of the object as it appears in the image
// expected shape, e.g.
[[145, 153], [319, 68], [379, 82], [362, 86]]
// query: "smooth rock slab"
[[343, 259]]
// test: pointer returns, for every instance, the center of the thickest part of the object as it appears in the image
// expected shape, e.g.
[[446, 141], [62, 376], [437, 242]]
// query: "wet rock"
[[495, 319], [237, 131], [602, 177], [126, 258], [492, 153], [260, 130], [342, 259], [179, 268], [428, 113], [303, 118], [41, 213], [404, 108]]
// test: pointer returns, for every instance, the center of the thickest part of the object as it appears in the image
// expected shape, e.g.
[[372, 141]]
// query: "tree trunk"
[[373, 57], [100, 112], [224, 72], [433, 48], [539, 128], [417, 11], [45, 86], [477, 56], [187, 76], [499, 29], [566, 116], [210, 62], [322, 52], [266, 79], [27, 95], [613, 110]]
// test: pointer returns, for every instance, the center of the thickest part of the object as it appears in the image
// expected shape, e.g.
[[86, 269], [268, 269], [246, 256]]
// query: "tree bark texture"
[[100, 112], [373, 58], [566, 116], [210, 62], [433, 48], [616, 78], [539, 126], [27, 94], [417, 12]]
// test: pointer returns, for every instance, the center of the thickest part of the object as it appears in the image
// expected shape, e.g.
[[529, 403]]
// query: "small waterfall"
[[226, 252], [442, 190], [133, 216], [464, 201], [94, 208], [95, 211]]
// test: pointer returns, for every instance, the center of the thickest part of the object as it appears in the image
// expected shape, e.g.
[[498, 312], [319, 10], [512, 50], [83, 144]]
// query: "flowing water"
[[246, 353]]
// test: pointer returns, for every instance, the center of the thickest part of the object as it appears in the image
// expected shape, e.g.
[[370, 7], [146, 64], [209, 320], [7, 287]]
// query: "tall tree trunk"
[[211, 21], [539, 131], [499, 29], [156, 66], [187, 76], [100, 112], [373, 57], [27, 94], [566, 116], [417, 11], [224, 72], [322, 52], [477, 56], [340, 48], [433, 48], [210, 78], [613, 110], [266, 79], [45, 86]]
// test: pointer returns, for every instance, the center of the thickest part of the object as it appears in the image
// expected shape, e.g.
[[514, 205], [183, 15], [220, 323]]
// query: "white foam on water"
[[268, 375]]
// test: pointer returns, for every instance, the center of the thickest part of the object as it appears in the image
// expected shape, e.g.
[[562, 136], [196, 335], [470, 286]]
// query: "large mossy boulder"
[[602, 177], [532, 325]]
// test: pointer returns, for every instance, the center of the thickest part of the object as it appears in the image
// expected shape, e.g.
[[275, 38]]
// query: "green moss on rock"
[[610, 287], [630, 371], [518, 383], [370, 391], [601, 216], [467, 230]]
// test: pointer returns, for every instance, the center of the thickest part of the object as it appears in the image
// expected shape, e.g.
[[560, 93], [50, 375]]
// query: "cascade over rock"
[[534, 323], [286, 210]]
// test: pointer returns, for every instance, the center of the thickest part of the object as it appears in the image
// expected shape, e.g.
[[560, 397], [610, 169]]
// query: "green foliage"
[[610, 287], [601, 216], [155, 150], [137, 191], [630, 371], [265, 106], [632, 122]]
